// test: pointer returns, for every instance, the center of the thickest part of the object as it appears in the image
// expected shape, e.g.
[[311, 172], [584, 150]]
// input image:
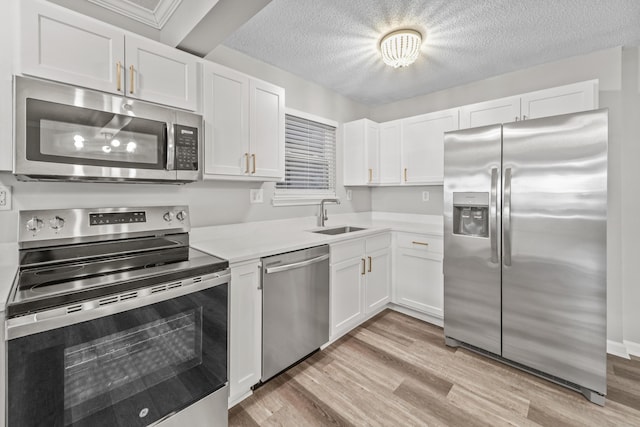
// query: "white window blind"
[[310, 159]]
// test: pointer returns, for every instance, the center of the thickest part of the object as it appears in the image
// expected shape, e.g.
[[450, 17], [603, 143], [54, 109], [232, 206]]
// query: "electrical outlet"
[[5, 198], [425, 196], [348, 194], [256, 195]]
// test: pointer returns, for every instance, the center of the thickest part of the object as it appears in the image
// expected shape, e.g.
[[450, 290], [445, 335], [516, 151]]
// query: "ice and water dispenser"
[[471, 214]]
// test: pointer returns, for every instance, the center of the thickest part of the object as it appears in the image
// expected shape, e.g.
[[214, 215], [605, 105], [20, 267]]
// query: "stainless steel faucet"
[[323, 212]]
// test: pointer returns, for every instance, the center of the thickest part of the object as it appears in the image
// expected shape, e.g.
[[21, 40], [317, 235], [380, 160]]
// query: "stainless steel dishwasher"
[[295, 307]]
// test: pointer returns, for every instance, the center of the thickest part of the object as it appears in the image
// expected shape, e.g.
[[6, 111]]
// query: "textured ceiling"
[[335, 42]]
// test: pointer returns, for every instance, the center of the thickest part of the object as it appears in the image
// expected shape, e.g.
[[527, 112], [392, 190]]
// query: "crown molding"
[[156, 18]]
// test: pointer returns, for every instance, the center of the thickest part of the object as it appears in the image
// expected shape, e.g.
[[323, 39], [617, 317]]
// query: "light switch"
[[348, 194], [425, 196]]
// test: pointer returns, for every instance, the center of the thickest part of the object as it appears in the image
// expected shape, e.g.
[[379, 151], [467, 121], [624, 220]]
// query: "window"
[[310, 160]]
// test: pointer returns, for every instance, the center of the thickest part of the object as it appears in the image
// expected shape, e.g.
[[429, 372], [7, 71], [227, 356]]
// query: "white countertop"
[[8, 269], [246, 241]]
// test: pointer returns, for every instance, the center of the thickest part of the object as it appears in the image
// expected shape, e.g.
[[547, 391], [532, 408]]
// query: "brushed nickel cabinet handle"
[[364, 266], [131, 84], [246, 157], [370, 264], [253, 156], [405, 174], [118, 76], [420, 243], [370, 175]]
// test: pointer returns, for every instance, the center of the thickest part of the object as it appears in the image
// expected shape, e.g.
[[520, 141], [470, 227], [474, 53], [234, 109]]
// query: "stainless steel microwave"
[[66, 133]]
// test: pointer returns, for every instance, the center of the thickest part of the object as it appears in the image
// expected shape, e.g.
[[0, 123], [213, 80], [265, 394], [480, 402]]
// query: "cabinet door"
[[160, 73], [355, 151], [423, 146], [266, 130], [226, 122], [560, 100], [372, 141], [245, 330], [419, 282], [346, 295], [68, 47], [378, 284], [390, 153], [493, 112]]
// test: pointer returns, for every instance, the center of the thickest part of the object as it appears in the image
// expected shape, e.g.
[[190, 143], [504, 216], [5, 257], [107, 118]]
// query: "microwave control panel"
[[186, 148]]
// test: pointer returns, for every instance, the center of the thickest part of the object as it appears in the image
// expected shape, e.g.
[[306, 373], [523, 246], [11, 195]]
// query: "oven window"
[[67, 134], [125, 369], [155, 351]]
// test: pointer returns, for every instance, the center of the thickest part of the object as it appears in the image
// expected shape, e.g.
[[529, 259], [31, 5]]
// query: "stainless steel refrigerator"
[[525, 217]]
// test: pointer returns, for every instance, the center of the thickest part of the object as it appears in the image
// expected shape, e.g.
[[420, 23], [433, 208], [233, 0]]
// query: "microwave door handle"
[[169, 137]]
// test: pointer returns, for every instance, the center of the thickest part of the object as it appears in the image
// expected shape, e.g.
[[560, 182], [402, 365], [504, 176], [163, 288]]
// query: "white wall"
[[617, 71]]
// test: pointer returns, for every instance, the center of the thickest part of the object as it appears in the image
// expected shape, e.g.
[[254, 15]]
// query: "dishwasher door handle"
[[300, 264]]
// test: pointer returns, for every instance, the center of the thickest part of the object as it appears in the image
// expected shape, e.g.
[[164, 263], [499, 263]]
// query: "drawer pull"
[[364, 266], [370, 264], [420, 243]]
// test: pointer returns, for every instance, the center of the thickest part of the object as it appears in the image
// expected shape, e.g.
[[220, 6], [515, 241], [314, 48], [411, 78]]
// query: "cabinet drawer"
[[421, 242], [381, 241], [347, 250]]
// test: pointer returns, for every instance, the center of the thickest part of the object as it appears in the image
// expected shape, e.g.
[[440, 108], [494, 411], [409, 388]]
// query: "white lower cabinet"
[[360, 280], [418, 273], [245, 329]]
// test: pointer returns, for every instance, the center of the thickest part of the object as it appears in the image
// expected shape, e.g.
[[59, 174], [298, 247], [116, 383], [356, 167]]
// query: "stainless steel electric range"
[[113, 320]]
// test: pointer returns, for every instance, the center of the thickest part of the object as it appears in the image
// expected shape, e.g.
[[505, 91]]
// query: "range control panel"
[[186, 148], [40, 225], [117, 217]]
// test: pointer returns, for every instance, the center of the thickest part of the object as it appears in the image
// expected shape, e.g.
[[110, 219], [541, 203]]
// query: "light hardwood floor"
[[396, 371]]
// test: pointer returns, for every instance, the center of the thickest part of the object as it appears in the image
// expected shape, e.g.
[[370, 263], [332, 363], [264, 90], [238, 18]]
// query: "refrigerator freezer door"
[[554, 226], [471, 251]]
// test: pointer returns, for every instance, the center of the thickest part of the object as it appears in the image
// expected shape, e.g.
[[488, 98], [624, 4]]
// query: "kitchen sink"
[[339, 230]]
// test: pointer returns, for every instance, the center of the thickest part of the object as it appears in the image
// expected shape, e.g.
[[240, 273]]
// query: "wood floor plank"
[[436, 407], [396, 370]]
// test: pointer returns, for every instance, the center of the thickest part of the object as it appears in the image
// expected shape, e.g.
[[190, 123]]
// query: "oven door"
[[78, 134], [127, 368]]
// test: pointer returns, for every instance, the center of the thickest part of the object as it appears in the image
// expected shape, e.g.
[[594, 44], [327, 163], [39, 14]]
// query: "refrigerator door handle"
[[493, 215], [506, 217]]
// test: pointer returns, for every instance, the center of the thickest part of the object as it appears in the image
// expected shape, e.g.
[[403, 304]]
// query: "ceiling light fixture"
[[400, 48]]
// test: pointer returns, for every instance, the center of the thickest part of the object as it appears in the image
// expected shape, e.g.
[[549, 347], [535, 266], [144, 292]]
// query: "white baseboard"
[[632, 347], [617, 349], [418, 315]]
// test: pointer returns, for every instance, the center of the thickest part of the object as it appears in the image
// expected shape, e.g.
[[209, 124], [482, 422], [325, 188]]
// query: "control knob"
[[56, 223], [181, 216], [35, 224], [168, 216]]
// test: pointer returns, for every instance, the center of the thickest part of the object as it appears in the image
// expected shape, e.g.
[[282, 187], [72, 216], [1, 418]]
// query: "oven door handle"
[[107, 305]]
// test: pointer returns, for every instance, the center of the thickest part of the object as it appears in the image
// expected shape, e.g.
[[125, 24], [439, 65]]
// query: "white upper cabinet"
[[65, 46], [160, 73], [567, 99], [60, 45], [244, 126], [389, 152], [266, 131], [361, 153], [560, 100], [226, 123], [503, 110], [423, 146]]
